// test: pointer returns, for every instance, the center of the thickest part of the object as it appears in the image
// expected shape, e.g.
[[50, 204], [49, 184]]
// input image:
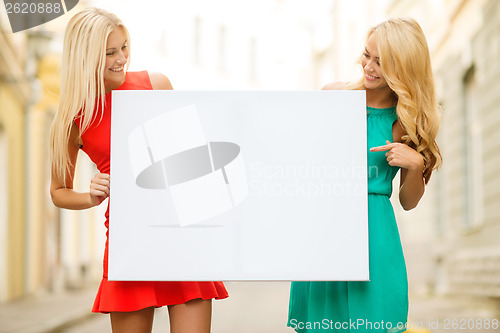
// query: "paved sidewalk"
[[459, 314], [46, 313], [252, 307]]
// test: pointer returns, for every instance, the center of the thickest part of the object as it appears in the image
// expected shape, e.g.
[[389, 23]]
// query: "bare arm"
[[412, 186], [412, 166], [64, 196]]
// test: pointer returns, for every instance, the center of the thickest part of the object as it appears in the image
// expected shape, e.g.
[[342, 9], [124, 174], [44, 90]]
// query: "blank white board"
[[238, 185]]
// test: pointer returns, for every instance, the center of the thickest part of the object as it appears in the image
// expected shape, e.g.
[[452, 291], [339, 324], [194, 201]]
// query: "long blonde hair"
[[406, 66], [82, 81]]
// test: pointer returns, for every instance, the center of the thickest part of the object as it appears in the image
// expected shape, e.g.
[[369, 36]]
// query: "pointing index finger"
[[386, 147], [380, 148]]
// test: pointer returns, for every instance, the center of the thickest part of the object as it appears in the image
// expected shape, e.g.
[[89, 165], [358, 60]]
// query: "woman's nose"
[[369, 68], [121, 58]]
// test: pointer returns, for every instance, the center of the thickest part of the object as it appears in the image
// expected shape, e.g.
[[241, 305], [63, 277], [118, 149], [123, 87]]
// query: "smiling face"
[[116, 58], [373, 78]]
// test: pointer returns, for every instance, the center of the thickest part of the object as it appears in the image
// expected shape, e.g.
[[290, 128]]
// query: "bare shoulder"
[[334, 86], [397, 131], [160, 82]]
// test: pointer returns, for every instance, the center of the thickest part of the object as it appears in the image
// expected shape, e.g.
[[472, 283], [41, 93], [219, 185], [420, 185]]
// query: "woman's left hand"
[[401, 155]]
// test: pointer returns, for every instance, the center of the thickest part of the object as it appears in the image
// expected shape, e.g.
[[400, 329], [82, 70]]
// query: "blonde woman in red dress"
[[95, 58]]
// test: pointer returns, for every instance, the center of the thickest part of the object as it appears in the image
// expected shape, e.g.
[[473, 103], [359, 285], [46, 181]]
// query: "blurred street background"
[[51, 259]]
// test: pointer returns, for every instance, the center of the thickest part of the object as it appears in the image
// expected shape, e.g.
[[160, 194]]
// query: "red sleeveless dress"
[[124, 296]]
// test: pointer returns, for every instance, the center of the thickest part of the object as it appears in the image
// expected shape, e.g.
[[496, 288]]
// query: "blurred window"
[[222, 49], [197, 40], [473, 151]]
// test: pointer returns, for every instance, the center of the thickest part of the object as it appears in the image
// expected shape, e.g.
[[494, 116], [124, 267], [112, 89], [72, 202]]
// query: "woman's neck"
[[380, 98], [109, 86]]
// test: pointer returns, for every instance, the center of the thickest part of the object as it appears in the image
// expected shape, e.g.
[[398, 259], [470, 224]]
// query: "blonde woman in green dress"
[[402, 124]]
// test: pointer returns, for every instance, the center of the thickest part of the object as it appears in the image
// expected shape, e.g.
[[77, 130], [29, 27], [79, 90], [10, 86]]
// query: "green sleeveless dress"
[[378, 305]]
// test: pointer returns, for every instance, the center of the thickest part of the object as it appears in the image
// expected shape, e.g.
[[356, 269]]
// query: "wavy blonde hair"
[[406, 66], [82, 80]]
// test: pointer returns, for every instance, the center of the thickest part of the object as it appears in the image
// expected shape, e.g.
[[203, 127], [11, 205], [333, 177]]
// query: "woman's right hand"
[[99, 188]]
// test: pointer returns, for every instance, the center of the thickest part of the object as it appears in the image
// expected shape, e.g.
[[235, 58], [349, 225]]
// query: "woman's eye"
[[366, 55], [124, 47]]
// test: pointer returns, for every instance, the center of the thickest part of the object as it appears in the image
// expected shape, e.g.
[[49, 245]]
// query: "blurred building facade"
[[42, 249], [450, 240], [453, 235], [337, 53], [227, 45], [15, 96]]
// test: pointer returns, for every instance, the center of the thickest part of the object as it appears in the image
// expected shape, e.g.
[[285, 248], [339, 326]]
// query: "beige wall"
[[473, 260], [337, 58], [450, 240], [31, 247], [459, 229], [38, 231], [12, 121]]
